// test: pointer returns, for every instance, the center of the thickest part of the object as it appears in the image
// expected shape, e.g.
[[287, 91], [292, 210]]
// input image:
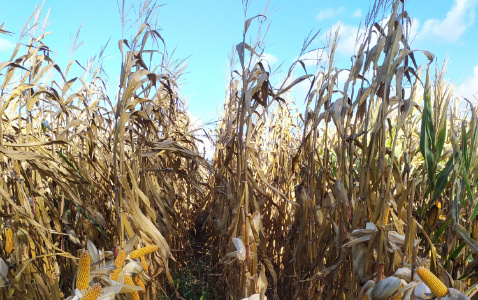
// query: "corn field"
[[371, 193]]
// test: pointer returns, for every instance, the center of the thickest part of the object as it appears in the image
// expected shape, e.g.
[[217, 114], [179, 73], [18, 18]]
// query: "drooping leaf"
[[248, 22], [466, 237]]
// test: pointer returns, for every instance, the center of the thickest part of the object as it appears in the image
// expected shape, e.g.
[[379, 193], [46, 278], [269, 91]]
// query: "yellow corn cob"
[[140, 283], [144, 263], [398, 296], [83, 276], [129, 280], [119, 264], [434, 284], [474, 229], [143, 251], [432, 215], [387, 212], [93, 292], [9, 241]]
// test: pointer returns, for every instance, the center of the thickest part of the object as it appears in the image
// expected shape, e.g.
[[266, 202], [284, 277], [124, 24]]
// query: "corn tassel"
[[434, 284], [93, 292], [143, 251], [129, 280], [140, 283], [9, 241], [119, 264], [144, 263], [83, 276]]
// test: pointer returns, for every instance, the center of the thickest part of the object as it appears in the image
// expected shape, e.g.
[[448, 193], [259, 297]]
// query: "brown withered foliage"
[[379, 173]]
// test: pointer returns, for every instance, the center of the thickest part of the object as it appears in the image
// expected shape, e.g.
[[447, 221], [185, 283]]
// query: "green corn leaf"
[[430, 167], [456, 252], [441, 229], [72, 166], [427, 192], [472, 144], [92, 221], [454, 205], [468, 188], [466, 237], [464, 148], [475, 209], [442, 178], [427, 137], [441, 140]]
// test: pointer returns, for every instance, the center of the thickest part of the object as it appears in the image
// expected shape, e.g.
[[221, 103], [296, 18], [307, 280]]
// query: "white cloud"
[[357, 13], [329, 13], [270, 58], [413, 29], [347, 37], [469, 88], [342, 78], [458, 19], [6, 45]]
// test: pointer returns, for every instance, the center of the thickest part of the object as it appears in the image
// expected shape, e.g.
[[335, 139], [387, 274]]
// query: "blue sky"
[[206, 31]]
